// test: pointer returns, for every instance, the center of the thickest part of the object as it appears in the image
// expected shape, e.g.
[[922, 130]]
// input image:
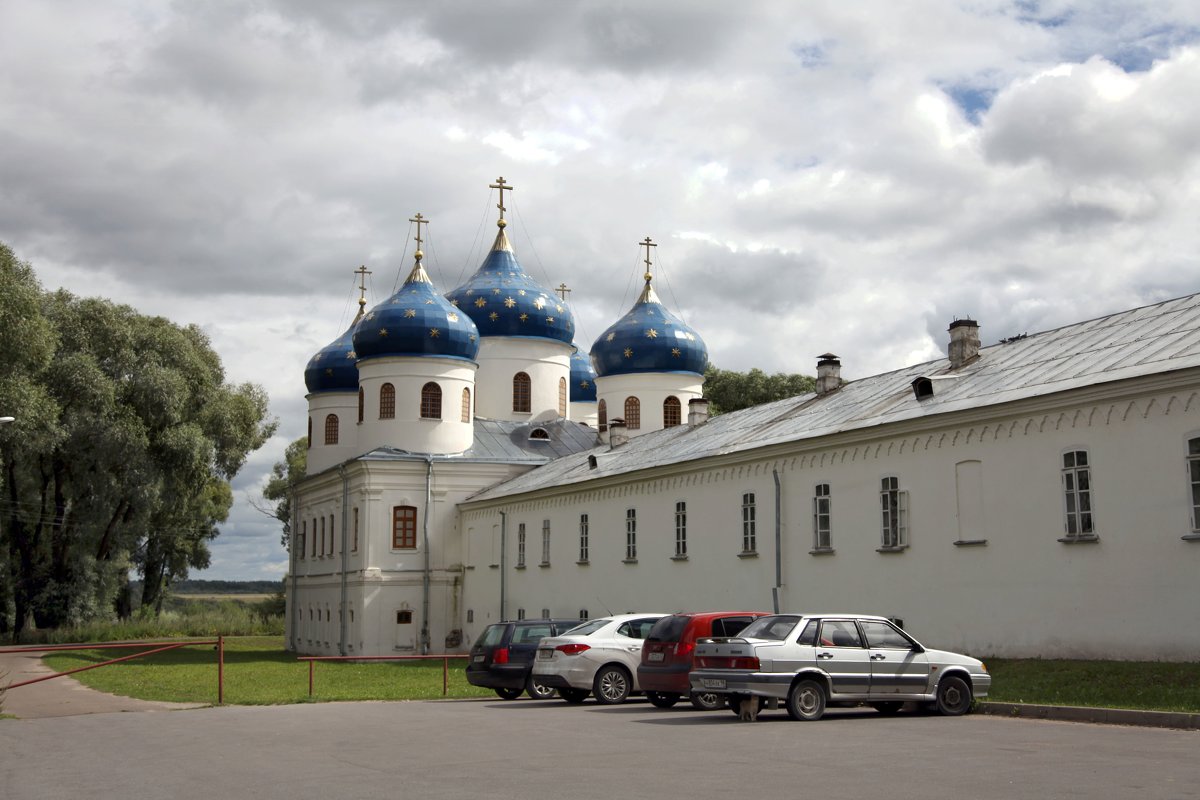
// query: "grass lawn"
[[259, 671], [1146, 685]]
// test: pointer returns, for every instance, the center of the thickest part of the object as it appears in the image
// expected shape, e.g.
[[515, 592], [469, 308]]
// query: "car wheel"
[[538, 691], [953, 696], [708, 701], [806, 701], [573, 696], [508, 694], [662, 699], [887, 707], [612, 686]]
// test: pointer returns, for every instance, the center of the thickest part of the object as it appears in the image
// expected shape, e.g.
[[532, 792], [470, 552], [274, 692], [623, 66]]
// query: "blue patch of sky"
[[972, 100], [1139, 54], [795, 163], [811, 54], [1031, 11]]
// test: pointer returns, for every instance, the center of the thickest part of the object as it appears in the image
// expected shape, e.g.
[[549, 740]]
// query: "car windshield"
[[587, 628], [777, 627], [668, 629]]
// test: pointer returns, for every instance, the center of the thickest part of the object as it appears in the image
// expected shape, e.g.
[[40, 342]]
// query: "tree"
[[727, 390], [284, 477]]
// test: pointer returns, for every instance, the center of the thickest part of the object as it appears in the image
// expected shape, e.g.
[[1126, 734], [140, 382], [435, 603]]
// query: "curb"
[[1104, 716]]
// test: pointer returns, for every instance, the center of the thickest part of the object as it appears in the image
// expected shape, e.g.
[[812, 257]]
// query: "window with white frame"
[[1077, 494], [1193, 458], [521, 544], [681, 529], [583, 537], [631, 534], [749, 524], [546, 542], [822, 518], [894, 508]]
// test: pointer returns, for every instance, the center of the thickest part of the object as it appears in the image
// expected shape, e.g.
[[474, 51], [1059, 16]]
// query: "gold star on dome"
[[383, 331], [351, 354], [540, 303], [410, 312], [584, 384], [629, 352], [454, 303], [470, 292], [371, 315], [434, 333], [329, 373], [611, 336], [676, 352], [523, 317], [429, 302], [495, 291], [521, 292], [480, 303], [651, 333], [691, 337], [452, 317], [471, 338], [493, 316], [395, 300], [317, 357], [509, 302], [549, 320], [559, 308]]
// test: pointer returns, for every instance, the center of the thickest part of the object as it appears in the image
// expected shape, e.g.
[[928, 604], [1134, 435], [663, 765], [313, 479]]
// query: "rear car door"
[[840, 652], [896, 667]]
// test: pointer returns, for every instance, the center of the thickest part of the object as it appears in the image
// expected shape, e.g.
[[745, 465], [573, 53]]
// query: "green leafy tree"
[[727, 390], [284, 476]]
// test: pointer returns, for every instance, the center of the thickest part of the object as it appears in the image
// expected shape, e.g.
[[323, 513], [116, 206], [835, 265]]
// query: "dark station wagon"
[[668, 650], [502, 656]]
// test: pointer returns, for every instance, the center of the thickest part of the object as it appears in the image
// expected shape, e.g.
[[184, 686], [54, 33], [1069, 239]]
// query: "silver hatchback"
[[809, 661]]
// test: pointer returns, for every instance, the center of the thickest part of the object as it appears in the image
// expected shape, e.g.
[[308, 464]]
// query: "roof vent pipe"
[[829, 374], [616, 433], [697, 411], [964, 342]]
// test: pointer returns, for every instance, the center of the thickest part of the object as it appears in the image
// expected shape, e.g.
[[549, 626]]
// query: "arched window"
[[671, 412], [466, 405], [521, 392], [431, 401], [562, 397], [633, 414], [361, 398], [331, 429], [387, 401], [309, 442], [602, 412]]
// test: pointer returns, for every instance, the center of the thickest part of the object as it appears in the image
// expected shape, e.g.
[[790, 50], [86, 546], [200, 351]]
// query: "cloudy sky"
[[843, 176]]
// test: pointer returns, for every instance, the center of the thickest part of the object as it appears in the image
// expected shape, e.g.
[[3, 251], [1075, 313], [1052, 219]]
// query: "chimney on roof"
[[697, 411], [964, 342], [829, 374], [617, 437]]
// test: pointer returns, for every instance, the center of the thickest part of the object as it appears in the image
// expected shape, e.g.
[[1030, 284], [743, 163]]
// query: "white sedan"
[[600, 657]]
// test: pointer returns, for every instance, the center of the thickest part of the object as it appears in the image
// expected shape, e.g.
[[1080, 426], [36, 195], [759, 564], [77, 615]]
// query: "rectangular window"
[[583, 537], [520, 613], [354, 539], [404, 528], [332, 535], [681, 530], [546, 542], [521, 545], [313, 550], [749, 531], [322, 536], [822, 531], [300, 543], [1077, 493], [1194, 480], [631, 534], [894, 509]]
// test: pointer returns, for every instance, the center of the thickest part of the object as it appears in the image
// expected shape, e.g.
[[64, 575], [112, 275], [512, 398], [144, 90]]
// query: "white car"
[[600, 657]]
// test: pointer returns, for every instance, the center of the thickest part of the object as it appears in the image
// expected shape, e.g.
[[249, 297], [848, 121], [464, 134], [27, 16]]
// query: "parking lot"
[[525, 748]]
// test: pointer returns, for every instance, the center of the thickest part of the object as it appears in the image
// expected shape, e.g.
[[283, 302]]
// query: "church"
[[469, 462]]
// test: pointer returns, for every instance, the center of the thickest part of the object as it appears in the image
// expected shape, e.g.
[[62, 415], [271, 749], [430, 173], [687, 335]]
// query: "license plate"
[[713, 683], [478, 659], [654, 657], [545, 655]]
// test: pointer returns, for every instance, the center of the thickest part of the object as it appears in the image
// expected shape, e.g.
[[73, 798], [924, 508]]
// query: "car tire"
[[508, 694], [887, 707], [573, 696], [953, 696], [662, 699], [538, 691], [708, 701], [806, 701], [612, 685]]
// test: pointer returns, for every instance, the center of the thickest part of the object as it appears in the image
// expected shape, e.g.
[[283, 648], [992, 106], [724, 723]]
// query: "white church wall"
[[406, 429], [651, 391], [344, 406], [547, 363]]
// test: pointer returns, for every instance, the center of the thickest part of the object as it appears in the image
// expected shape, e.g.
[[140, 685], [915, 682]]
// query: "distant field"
[[241, 598]]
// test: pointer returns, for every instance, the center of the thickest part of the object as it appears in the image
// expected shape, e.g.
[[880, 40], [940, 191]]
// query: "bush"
[[196, 618]]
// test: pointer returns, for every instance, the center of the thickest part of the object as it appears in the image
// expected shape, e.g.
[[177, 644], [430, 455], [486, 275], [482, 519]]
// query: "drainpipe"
[[425, 546], [778, 542], [292, 569], [344, 613], [503, 564]]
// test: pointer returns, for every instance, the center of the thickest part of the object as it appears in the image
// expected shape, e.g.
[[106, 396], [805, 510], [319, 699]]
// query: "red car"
[[667, 655]]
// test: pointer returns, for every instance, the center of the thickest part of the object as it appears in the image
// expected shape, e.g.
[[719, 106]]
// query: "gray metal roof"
[[1153, 339], [509, 442]]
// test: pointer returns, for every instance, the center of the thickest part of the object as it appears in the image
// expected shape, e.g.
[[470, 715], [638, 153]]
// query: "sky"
[[845, 177]]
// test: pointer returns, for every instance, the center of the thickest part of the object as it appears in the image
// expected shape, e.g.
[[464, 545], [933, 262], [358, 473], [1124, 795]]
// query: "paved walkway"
[[62, 697]]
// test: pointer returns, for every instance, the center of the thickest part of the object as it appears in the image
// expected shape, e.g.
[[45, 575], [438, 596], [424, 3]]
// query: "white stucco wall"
[[344, 405], [408, 430], [651, 389], [548, 363]]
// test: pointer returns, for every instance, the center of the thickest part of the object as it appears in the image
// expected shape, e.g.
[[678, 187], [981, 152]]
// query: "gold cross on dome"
[[362, 273], [562, 291], [501, 186], [420, 220], [647, 243]]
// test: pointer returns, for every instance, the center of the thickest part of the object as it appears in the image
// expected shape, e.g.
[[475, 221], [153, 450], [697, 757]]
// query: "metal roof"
[[508, 442], [1143, 341]]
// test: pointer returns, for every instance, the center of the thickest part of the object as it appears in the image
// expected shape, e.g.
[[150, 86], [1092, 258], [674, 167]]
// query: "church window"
[[749, 524], [822, 518], [404, 528], [672, 412], [313, 549], [361, 403], [633, 413], [308, 443], [583, 614], [520, 613], [387, 401], [521, 546], [602, 411], [404, 617], [354, 537], [431, 401], [562, 397], [541, 434], [545, 543], [332, 535], [681, 530], [894, 509], [631, 534], [545, 613], [521, 393], [470, 615], [1193, 459], [331, 429], [466, 405], [300, 543], [583, 538], [322, 536], [1077, 495]]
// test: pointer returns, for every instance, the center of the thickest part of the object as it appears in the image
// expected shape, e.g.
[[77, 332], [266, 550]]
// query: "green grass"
[[182, 618], [1144, 685], [258, 671]]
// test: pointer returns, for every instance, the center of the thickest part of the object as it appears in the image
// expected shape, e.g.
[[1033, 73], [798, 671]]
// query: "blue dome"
[[649, 339], [504, 301], [333, 368], [416, 321], [583, 378]]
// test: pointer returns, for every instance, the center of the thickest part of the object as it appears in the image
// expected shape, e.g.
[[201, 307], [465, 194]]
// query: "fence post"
[[220, 670], [310, 669], [445, 676]]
